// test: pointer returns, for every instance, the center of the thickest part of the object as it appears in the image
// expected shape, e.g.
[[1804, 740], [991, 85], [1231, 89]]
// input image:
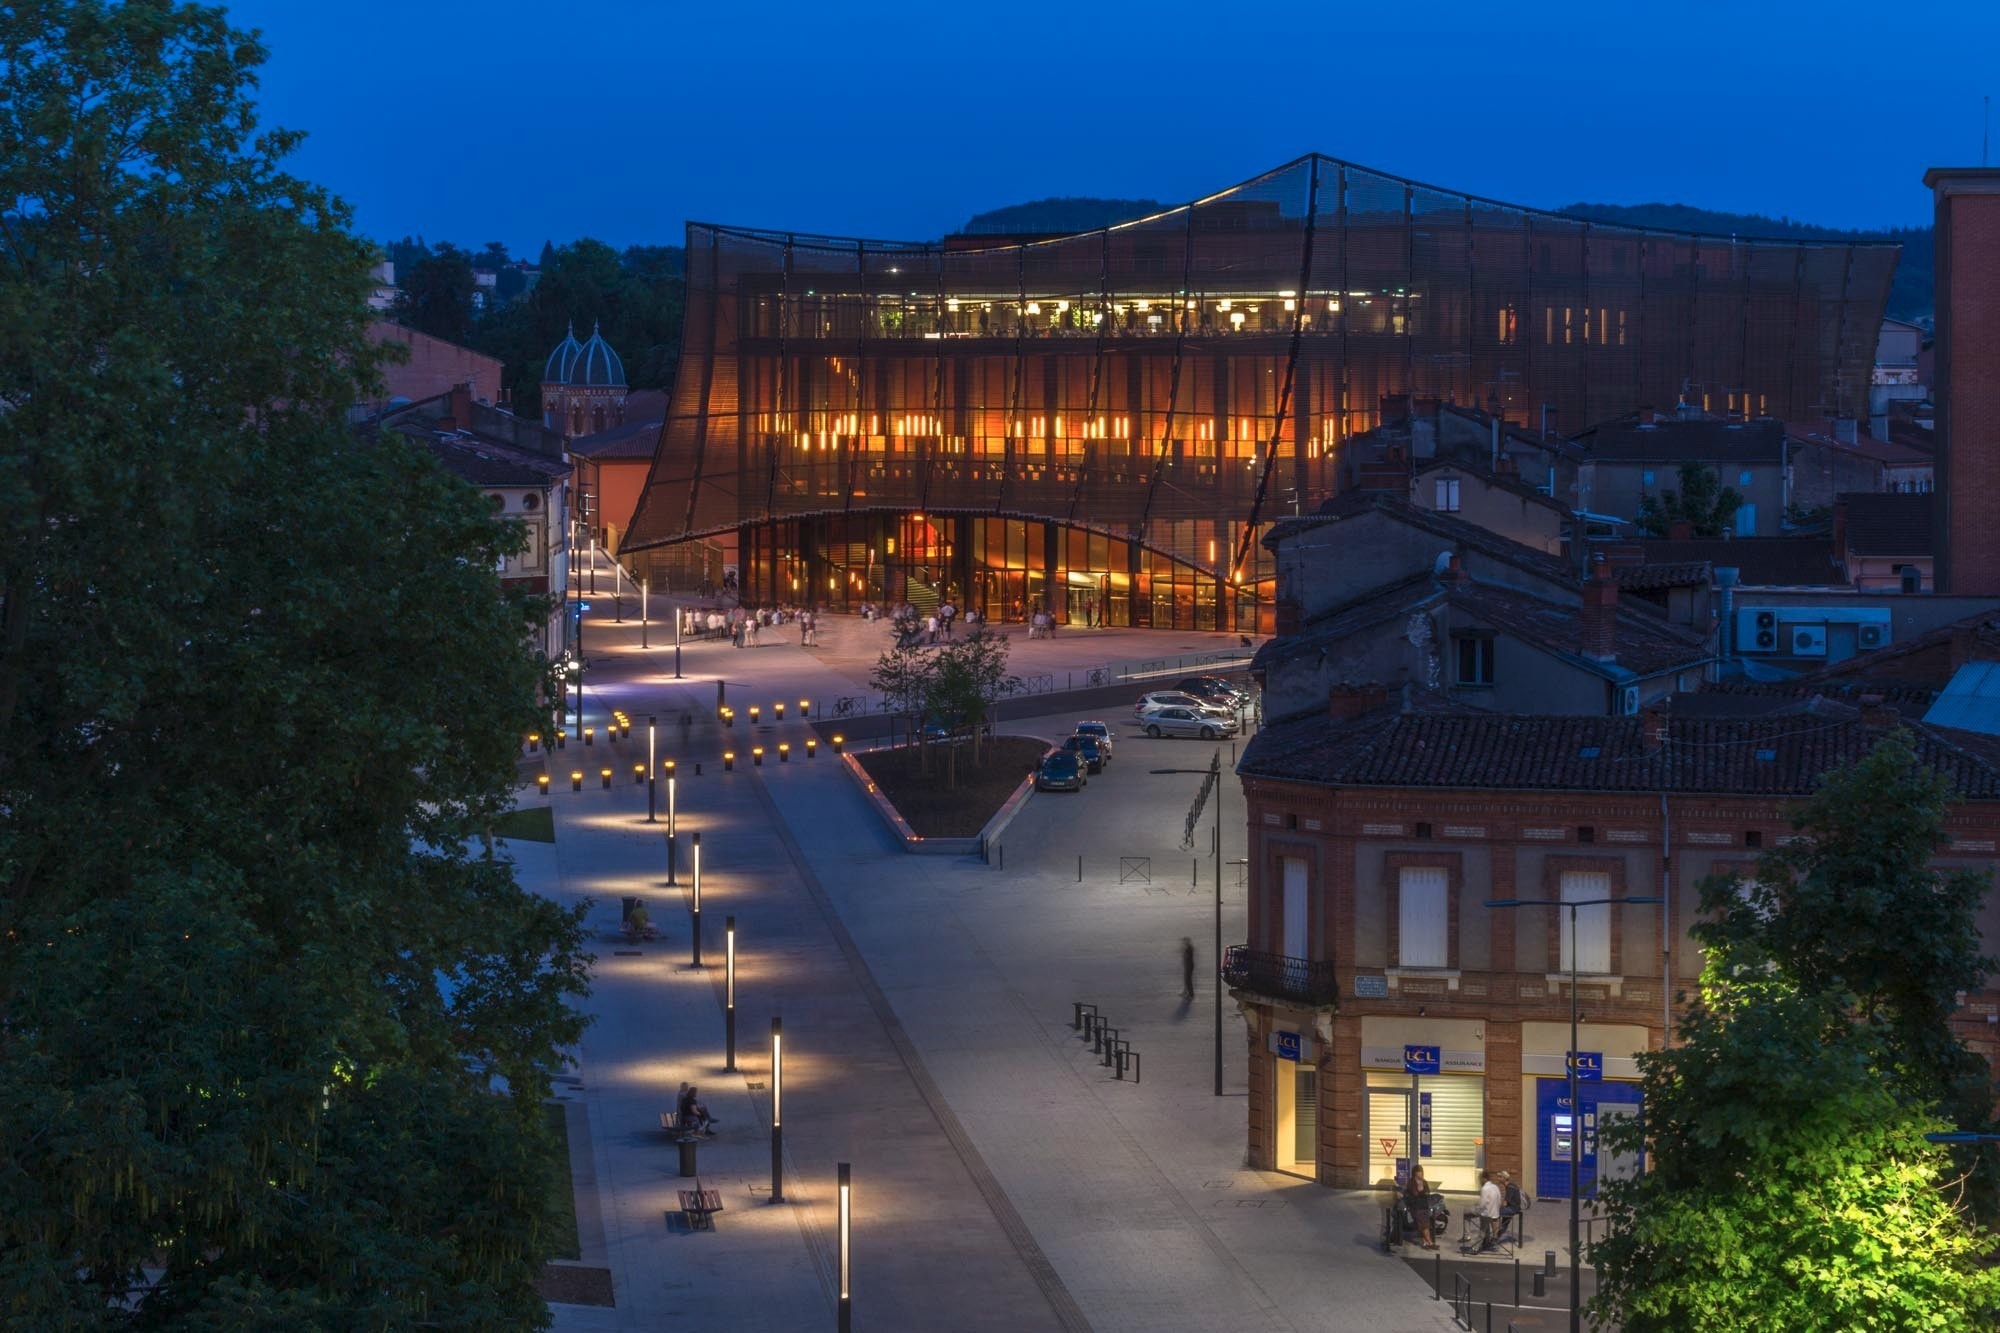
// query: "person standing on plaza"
[[1187, 968]]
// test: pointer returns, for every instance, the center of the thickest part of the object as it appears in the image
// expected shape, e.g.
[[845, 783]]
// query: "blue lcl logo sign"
[[1589, 1066], [1288, 1045], [1421, 1060]]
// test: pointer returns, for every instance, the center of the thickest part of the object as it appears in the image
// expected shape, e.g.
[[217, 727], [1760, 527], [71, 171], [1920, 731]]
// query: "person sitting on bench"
[[1513, 1203], [691, 1115]]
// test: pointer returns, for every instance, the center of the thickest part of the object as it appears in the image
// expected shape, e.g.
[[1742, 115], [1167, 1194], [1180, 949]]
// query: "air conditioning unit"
[[1801, 631], [1628, 700], [1806, 640], [1757, 632], [1870, 637]]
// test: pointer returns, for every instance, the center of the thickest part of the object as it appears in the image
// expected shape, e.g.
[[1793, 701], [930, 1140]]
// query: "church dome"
[[596, 365], [563, 359]]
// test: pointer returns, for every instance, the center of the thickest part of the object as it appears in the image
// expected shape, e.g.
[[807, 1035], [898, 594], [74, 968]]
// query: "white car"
[[1175, 699], [1178, 720]]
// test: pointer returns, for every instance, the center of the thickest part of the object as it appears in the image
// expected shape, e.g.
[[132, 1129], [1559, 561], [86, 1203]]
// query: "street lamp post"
[[652, 768], [729, 994], [677, 643], [844, 1322], [645, 596], [1575, 1106], [777, 1111], [696, 931]]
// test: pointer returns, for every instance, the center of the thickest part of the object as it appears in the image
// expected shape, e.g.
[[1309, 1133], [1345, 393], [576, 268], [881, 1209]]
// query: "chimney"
[[461, 403], [1287, 616], [1877, 715], [1680, 530], [1598, 632], [1350, 701], [1454, 570], [1505, 466], [1847, 430], [1653, 726]]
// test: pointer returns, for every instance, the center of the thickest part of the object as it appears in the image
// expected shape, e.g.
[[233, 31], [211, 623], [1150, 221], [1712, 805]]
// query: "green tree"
[[906, 677], [1788, 1182], [436, 294], [1702, 501], [275, 1040]]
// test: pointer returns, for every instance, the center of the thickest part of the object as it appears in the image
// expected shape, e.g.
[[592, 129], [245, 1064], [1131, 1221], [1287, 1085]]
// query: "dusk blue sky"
[[505, 120]]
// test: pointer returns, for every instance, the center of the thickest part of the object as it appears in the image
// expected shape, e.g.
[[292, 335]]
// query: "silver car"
[[1176, 720], [1175, 699]]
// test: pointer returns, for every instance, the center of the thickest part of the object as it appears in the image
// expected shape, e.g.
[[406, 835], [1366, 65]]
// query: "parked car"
[[1090, 749], [1060, 770], [1213, 689], [1101, 730], [1175, 720], [1176, 699]]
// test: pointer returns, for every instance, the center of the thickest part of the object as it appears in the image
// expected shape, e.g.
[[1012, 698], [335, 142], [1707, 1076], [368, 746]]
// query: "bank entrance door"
[[1297, 1128], [1391, 1149]]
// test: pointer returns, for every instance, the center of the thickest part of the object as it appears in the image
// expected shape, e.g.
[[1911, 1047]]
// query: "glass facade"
[[1116, 414]]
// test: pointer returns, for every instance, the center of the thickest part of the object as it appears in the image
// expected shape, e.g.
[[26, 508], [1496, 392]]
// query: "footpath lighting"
[[652, 766], [846, 1315], [729, 994], [1575, 1108], [757, 756], [645, 591], [778, 711], [812, 747], [753, 715], [777, 1111], [606, 774], [562, 740], [542, 783], [638, 774], [805, 707], [534, 741], [729, 718], [576, 779], [729, 761], [784, 752], [695, 932], [838, 741], [590, 735]]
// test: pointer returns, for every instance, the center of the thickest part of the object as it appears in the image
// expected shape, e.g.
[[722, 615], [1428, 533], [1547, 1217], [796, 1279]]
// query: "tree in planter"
[[1703, 502], [1788, 1182], [260, 1019], [904, 676]]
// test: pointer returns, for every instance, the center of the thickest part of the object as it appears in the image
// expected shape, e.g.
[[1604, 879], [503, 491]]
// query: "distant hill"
[[1911, 296], [1045, 216]]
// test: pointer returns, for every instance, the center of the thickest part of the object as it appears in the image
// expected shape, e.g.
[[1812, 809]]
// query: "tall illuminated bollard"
[[845, 1322], [696, 931], [652, 768], [645, 592], [729, 994], [777, 1111]]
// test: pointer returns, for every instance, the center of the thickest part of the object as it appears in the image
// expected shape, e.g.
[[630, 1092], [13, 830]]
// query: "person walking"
[[1187, 968]]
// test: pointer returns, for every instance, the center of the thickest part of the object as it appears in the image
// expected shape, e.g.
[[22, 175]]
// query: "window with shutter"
[[1591, 942], [1423, 923]]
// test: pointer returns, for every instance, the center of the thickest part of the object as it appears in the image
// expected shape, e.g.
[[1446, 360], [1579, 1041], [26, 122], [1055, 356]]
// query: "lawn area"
[[932, 811], [562, 1192], [535, 824]]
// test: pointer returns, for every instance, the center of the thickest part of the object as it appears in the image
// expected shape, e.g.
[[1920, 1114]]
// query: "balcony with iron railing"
[[1301, 980]]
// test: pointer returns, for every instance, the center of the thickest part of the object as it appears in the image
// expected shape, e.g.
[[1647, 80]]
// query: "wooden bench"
[[700, 1206]]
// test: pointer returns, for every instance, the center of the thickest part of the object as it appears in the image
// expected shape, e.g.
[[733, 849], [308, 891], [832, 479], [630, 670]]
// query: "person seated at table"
[[692, 1115]]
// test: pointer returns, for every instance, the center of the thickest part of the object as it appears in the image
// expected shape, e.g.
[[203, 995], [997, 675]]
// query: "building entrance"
[[1556, 1123], [1297, 1129]]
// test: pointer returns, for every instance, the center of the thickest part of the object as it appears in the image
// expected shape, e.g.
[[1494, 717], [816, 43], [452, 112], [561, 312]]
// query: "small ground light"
[[607, 779], [590, 735], [805, 706], [576, 779], [757, 755], [784, 752], [812, 747], [729, 761], [534, 741], [753, 715], [838, 741], [542, 781], [638, 773], [624, 728], [778, 711]]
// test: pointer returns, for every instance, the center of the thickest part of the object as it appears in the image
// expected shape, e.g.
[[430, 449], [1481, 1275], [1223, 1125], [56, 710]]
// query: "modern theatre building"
[[1103, 423]]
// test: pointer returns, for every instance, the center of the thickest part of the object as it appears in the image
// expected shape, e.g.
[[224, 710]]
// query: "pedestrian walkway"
[[1002, 1178]]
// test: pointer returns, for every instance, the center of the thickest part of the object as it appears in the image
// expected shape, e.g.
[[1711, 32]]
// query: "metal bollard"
[[1076, 1016], [1437, 1278], [1541, 1284], [1097, 1036], [1123, 1048], [1135, 1067], [1517, 1281], [1110, 1048], [1549, 1262]]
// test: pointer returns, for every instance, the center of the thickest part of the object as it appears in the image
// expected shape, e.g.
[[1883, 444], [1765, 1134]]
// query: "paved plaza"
[[1003, 1178]]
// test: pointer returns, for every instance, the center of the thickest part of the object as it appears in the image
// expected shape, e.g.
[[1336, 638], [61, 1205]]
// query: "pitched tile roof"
[[1460, 749], [1891, 453], [1461, 534], [1691, 440], [1645, 644], [1502, 481], [484, 461], [1651, 577], [1888, 523]]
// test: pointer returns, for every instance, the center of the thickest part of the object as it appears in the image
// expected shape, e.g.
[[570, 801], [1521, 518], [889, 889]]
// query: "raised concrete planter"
[[914, 842]]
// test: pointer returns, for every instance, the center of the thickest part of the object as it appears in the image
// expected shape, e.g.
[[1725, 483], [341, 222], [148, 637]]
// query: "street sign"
[[1422, 1059], [1371, 988], [1589, 1066], [1423, 1124], [1288, 1045], [1208, 782]]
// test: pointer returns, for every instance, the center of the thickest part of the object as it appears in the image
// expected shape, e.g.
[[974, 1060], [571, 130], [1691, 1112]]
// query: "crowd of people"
[[745, 626]]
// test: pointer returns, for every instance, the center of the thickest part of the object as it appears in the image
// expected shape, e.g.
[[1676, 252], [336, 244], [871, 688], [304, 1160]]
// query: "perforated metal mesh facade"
[[1176, 381]]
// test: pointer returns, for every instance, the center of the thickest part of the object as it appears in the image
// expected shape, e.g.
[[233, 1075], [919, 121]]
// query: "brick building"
[[1388, 1006], [1967, 229]]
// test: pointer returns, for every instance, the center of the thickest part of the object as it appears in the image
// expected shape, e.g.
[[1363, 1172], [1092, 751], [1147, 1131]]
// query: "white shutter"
[[1422, 922], [1592, 942], [1294, 943]]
